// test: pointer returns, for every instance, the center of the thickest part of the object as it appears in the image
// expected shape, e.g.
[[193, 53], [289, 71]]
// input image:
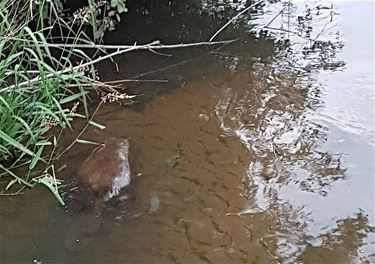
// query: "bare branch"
[[155, 45], [269, 23], [236, 16]]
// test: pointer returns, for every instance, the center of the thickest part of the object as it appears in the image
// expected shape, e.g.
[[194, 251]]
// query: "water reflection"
[[267, 114], [282, 128], [343, 244]]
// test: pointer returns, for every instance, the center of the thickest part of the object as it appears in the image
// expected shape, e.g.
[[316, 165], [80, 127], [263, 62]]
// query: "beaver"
[[102, 176], [106, 171]]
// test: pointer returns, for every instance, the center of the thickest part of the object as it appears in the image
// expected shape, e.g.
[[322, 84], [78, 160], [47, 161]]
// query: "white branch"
[[121, 49], [236, 16], [153, 45]]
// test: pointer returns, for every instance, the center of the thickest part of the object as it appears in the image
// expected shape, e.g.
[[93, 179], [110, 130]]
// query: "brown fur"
[[101, 167]]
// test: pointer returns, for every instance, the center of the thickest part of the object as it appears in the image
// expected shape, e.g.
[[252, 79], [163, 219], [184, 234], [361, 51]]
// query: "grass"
[[37, 92]]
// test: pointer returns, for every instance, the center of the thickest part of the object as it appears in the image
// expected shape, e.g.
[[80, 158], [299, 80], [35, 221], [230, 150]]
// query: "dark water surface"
[[261, 151]]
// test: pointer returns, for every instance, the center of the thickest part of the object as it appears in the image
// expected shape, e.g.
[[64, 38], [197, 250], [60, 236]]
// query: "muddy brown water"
[[237, 159]]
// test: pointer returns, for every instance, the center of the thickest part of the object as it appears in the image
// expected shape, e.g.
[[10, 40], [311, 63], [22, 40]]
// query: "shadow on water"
[[242, 157]]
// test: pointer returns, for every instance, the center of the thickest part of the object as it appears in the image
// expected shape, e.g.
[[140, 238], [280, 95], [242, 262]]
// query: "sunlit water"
[[258, 152]]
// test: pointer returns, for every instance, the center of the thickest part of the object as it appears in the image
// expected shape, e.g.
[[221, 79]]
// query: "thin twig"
[[288, 31], [269, 23], [135, 80], [28, 184], [153, 45], [177, 64], [120, 50], [236, 16], [160, 53], [107, 84], [318, 35], [14, 193], [80, 133]]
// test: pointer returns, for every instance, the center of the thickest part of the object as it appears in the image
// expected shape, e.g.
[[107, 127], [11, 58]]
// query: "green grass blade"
[[36, 158], [16, 144]]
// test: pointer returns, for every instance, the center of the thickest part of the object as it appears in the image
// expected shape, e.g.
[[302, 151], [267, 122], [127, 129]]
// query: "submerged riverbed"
[[261, 151]]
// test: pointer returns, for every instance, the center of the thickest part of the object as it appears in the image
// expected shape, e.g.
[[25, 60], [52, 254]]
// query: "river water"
[[261, 151]]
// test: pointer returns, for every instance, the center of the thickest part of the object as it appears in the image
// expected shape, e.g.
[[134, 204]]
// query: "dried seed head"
[[121, 98], [49, 122]]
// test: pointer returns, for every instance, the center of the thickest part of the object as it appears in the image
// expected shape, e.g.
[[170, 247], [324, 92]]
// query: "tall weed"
[[36, 83]]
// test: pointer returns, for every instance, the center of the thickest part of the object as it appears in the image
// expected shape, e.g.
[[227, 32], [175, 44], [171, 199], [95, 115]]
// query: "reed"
[[30, 111]]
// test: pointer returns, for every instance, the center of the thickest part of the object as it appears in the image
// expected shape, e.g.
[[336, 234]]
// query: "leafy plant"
[[49, 180], [40, 88], [101, 16]]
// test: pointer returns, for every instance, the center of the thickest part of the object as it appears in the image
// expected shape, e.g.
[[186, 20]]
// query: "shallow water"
[[261, 151]]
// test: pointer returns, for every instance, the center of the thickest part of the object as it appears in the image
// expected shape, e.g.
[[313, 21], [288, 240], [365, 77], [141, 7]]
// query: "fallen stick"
[[120, 50], [230, 21], [153, 45], [118, 81], [175, 64]]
